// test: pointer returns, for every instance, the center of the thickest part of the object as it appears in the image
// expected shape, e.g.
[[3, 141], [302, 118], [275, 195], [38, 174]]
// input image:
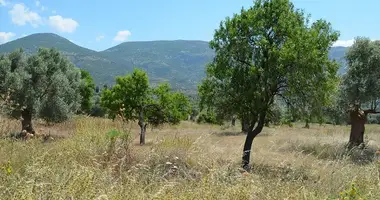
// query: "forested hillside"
[[179, 62]]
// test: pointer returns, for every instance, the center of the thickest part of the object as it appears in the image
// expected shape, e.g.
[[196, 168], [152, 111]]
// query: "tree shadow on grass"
[[360, 156], [284, 173], [237, 133], [229, 133]]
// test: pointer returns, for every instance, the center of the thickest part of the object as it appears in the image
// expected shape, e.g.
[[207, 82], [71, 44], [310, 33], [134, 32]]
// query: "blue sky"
[[99, 24]]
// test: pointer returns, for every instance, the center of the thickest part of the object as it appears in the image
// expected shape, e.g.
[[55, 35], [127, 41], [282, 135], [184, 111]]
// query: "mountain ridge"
[[179, 62]]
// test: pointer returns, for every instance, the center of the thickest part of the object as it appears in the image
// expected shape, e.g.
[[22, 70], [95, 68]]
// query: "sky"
[[100, 24]]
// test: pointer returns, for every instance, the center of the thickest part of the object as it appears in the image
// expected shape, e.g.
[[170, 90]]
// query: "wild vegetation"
[[272, 73]]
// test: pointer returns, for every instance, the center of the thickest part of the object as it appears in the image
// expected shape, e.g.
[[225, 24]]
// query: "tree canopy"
[[360, 88], [361, 81], [268, 50], [44, 85]]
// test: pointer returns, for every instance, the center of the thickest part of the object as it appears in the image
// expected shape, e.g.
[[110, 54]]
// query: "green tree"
[[268, 50], [44, 85], [133, 98], [361, 86], [87, 90]]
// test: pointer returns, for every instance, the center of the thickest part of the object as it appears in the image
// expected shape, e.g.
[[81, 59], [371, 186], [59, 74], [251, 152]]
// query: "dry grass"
[[188, 161]]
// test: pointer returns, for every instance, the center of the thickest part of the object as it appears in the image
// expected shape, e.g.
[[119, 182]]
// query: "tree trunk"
[[358, 119], [252, 133], [307, 125], [26, 122], [233, 122], [244, 126], [266, 124], [142, 125]]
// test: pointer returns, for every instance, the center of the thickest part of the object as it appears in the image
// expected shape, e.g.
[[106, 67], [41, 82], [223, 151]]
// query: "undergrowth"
[[103, 160]]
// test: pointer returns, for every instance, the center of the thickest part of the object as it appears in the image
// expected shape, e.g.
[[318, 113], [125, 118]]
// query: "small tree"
[[45, 85], [266, 51], [361, 86], [133, 98], [87, 89]]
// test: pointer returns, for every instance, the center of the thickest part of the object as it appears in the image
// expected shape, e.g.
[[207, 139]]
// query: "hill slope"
[[100, 67], [181, 62]]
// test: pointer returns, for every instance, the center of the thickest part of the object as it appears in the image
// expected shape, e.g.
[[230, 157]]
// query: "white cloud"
[[343, 43], [3, 3], [61, 24], [100, 37], [39, 5], [21, 15], [6, 36], [122, 36]]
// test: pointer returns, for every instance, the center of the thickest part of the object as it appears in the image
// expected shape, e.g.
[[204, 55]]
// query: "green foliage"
[[181, 63], [275, 114], [97, 110], [351, 193], [87, 89], [361, 82], [132, 92], [8, 168], [269, 50], [209, 117], [44, 85]]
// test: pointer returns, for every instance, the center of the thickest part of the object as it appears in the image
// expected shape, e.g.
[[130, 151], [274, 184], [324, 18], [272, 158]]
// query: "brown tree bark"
[[252, 133], [233, 122], [26, 122], [142, 125], [358, 118]]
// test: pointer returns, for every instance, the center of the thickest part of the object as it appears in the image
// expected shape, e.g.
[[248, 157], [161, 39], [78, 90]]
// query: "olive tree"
[[360, 88], [268, 50], [133, 99], [44, 85]]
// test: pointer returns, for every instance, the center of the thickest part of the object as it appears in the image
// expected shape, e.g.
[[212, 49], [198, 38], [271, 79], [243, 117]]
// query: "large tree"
[[361, 85], [268, 50], [133, 99], [44, 85]]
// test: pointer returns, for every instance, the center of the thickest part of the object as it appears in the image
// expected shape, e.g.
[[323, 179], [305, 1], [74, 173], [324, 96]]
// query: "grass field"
[[83, 160]]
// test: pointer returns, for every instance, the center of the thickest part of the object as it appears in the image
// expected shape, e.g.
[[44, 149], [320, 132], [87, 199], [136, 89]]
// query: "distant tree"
[[315, 101], [87, 89], [44, 85], [213, 109], [133, 98], [361, 85], [97, 110], [266, 51]]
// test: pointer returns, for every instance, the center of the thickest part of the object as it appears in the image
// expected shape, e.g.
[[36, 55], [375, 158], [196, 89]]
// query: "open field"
[[188, 161]]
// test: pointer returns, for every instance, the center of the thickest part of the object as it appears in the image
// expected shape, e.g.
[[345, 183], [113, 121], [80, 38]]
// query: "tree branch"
[[244, 62], [371, 111]]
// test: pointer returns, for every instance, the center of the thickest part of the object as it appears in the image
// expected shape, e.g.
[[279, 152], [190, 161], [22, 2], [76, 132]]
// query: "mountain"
[[180, 62], [102, 69]]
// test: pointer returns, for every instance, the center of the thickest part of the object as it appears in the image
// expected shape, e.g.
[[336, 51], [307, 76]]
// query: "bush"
[[209, 118]]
